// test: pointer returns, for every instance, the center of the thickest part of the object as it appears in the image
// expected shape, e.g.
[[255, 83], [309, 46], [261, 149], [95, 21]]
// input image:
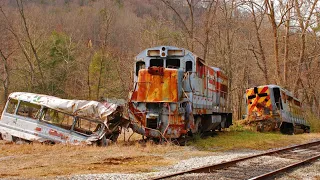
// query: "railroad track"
[[259, 166]]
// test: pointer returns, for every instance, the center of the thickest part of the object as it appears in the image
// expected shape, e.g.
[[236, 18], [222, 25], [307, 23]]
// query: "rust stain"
[[38, 129], [157, 85], [259, 105], [55, 133]]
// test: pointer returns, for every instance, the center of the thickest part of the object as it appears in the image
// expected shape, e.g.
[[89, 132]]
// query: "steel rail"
[[211, 168], [284, 169]]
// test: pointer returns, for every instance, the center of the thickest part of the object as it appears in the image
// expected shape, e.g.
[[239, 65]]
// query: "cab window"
[[140, 65], [173, 63], [156, 62], [189, 66]]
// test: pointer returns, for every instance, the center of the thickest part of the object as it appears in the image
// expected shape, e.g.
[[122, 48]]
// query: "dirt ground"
[[39, 160]]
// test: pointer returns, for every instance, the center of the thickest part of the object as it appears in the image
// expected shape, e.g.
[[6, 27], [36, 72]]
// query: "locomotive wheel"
[[307, 129], [287, 128], [198, 125], [260, 127]]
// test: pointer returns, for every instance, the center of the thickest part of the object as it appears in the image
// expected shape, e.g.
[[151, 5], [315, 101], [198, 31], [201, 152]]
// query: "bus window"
[[57, 118], [87, 127], [156, 62], [277, 98], [189, 66], [29, 110], [140, 65], [12, 105]]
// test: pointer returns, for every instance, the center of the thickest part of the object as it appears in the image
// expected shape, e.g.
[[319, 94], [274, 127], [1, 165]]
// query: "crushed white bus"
[[36, 117]]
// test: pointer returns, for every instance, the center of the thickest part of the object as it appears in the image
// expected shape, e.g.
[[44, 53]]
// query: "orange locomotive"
[[175, 93], [271, 107]]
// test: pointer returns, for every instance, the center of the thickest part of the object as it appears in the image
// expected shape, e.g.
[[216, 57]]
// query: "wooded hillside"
[[85, 49]]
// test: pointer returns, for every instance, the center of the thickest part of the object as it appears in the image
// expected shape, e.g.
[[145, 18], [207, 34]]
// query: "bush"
[[239, 126], [313, 120]]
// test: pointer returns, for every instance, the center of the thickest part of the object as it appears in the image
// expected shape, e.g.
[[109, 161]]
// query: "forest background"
[[85, 49]]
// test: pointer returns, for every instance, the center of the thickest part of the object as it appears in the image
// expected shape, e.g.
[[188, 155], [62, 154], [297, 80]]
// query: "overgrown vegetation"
[[241, 137], [39, 160], [313, 120]]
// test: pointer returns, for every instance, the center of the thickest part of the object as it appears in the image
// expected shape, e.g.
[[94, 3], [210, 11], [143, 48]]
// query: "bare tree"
[[189, 29], [304, 24], [259, 54]]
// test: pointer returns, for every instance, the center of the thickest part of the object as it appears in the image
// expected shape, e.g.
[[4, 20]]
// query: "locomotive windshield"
[[173, 63], [277, 98], [139, 65], [156, 62]]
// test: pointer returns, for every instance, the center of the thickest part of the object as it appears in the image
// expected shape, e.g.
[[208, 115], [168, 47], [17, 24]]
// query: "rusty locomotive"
[[271, 107], [176, 94]]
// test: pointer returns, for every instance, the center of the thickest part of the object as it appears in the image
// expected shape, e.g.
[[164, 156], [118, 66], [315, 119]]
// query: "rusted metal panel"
[[259, 103], [157, 85]]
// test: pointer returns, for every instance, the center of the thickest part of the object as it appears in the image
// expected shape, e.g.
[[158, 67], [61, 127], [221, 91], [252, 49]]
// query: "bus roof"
[[82, 108]]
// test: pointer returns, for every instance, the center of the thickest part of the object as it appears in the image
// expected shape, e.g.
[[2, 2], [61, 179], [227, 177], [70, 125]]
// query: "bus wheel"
[[103, 142], [7, 137]]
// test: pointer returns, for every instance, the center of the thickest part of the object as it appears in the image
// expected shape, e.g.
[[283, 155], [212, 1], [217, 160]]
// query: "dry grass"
[[247, 139], [314, 121], [37, 160]]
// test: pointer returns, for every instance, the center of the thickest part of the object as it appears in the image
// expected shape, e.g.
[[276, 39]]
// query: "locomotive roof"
[[186, 53], [276, 86], [144, 52]]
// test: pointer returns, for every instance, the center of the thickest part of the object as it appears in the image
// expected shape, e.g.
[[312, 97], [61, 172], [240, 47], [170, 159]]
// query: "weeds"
[[247, 139], [313, 120]]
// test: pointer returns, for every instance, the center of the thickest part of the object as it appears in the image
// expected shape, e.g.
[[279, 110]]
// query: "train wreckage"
[[175, 95], [36, 117]]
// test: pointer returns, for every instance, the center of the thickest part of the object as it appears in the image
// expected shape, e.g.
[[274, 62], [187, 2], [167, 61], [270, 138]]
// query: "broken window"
[[58, 118], [173, 63], [140, 65], [156, 62], [277, 97], [87, 127], [189, 66], [29, 110], [12, 105]]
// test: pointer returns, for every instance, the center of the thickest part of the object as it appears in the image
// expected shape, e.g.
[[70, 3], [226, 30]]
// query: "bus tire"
[[103, 142]]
